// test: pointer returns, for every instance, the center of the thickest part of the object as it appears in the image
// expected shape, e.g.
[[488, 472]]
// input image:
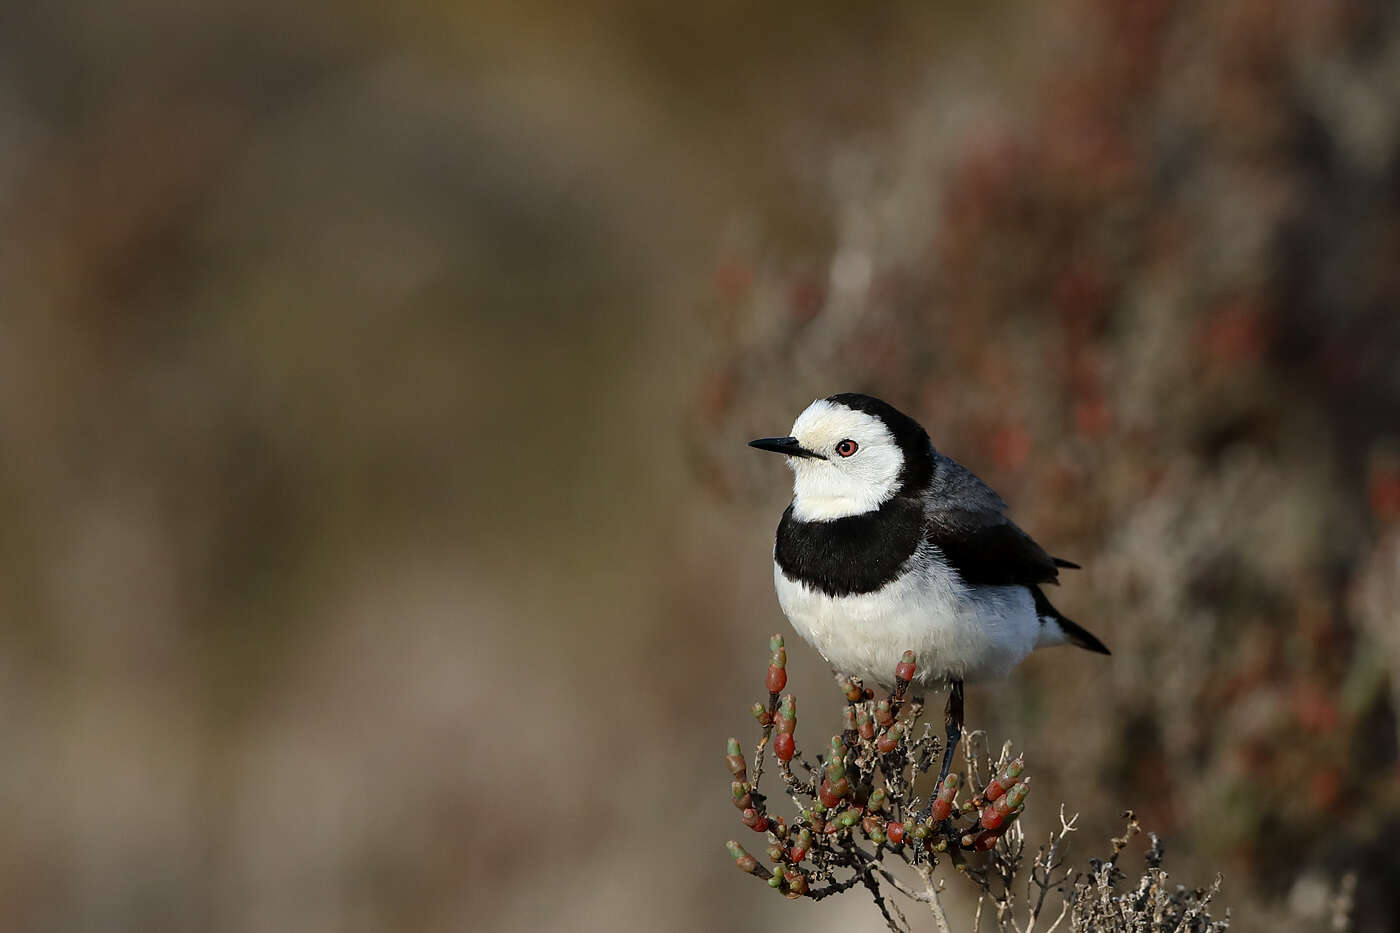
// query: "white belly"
[[956, 631]]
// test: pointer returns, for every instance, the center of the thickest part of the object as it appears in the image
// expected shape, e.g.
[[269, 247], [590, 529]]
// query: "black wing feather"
[[988, 548], [966, 520]]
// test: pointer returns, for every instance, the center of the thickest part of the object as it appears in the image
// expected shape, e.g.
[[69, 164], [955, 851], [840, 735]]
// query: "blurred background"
[[380, 547]]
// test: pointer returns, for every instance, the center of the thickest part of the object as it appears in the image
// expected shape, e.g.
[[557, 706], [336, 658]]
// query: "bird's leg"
[[953, 720], [953, 724]]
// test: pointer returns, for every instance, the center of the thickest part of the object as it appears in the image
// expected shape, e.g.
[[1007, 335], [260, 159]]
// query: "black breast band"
[[856, 554]]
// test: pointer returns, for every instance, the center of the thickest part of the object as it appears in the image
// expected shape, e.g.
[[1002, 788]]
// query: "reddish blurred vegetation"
[[374, 385], [1155, 302]]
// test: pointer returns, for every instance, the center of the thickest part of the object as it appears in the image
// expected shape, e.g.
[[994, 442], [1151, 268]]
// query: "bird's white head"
[[846, 455]]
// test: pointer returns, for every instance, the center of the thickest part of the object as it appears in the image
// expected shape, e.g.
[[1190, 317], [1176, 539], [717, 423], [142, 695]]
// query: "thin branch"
[[833, 836], [935, 903]]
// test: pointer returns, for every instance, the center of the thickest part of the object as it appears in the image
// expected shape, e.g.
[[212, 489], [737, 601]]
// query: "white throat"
[[822, 494]]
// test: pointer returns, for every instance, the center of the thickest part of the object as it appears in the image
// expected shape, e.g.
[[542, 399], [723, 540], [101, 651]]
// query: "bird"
[[889, 544]]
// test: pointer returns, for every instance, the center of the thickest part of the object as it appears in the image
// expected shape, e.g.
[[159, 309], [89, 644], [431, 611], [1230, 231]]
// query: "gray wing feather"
[[965, 519], [955, 488]]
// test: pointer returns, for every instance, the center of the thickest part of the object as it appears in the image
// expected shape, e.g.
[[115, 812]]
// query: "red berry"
[[797, 884], [784, 747], [864, 726], [755, 821], [776, 680], [941, 808], [797, 853], [896, 832], [883, 715], [1008, 779], [827, 795]]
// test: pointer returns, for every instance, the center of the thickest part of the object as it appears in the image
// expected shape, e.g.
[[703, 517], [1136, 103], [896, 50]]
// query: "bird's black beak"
[[787, 446]]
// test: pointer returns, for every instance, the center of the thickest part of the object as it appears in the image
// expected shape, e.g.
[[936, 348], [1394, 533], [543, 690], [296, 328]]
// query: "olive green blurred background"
[[380, 549]]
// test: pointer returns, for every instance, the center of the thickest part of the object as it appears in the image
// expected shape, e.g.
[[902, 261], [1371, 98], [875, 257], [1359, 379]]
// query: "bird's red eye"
[[847, 447]]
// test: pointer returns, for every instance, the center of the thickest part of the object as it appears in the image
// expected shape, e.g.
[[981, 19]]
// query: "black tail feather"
[[1075, 634], [1078, 635], [1061, 562]]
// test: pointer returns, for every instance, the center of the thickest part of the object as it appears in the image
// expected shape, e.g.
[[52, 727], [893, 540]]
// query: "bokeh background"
[[380, 547]]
